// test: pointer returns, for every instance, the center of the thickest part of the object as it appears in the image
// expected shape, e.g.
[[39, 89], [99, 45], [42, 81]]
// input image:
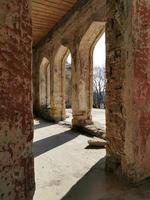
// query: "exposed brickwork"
[[16, 128]]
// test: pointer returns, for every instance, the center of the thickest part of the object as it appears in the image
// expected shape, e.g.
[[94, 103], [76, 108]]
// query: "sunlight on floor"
[[61, 159]]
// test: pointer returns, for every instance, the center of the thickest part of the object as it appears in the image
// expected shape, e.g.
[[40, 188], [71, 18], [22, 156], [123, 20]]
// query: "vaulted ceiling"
[[46, 13]]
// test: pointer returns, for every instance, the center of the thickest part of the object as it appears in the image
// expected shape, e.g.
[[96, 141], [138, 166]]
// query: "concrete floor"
[[66, 170], [61, 159]]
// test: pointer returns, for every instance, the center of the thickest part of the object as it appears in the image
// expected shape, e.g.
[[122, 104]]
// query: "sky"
[[99, 54], [69, 58]]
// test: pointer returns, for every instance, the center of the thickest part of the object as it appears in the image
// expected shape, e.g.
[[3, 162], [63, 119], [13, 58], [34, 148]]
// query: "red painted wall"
[[141, 101], [16, 124]]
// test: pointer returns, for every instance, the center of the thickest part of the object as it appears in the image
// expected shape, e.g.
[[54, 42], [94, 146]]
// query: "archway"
[[68, 86], [83, 94], [99, 82]]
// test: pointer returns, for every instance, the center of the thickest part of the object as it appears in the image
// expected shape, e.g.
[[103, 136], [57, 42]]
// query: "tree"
[[98, 86]]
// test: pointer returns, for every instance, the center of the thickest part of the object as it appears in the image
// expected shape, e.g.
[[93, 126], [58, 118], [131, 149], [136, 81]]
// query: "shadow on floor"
[[99, 185], [42, 124], [46, 144]]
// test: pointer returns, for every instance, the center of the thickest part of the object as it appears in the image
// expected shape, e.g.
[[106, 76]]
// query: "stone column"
[[58, 85], [128, 86], [81, 90], [115, 75], [16, 122]]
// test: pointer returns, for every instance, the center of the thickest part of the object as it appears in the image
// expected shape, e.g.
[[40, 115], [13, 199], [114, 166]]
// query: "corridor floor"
[[65, 169], [61, 159]]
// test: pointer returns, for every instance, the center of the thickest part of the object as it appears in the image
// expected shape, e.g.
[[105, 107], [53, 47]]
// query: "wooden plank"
[[52, 4], [46, 13]]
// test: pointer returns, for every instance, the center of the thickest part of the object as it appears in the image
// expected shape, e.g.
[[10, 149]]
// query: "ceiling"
[[46, 13]]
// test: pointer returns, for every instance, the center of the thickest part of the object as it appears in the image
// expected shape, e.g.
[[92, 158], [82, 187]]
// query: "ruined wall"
[[128, 61], [69, 33], [16, 126]]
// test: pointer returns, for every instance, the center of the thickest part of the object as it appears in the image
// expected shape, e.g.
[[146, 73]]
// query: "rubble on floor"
[[97, 142]]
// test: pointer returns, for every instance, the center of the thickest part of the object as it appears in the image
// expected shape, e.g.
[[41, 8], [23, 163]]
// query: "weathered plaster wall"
[[16, 128], [116, 47], [69, 33], [128, 61]]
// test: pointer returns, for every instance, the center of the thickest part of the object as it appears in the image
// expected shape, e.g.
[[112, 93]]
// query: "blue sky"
[[99, 54]]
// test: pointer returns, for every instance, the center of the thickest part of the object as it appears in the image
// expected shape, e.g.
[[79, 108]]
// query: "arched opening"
[[48, 87], [99, 81], [86, 52], [68, 86], [44, 84]]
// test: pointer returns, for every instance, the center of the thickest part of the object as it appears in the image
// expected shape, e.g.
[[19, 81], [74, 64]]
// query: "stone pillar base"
[[57, 116], [81, 121], [50, 115]]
